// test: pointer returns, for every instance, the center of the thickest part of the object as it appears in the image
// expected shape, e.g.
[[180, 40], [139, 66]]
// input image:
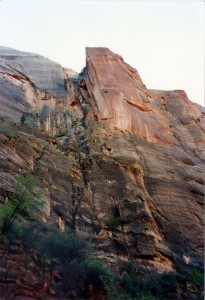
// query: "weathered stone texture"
[[34, 86], [128, 171]]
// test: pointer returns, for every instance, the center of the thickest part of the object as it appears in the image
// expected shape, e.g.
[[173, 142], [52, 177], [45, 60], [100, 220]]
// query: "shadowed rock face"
[[35, 86], [128, 173], [42, 72]]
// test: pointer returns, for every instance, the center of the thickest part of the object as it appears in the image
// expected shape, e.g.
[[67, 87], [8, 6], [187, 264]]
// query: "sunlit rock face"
[[158, 140], [127, 172], [119, 96]]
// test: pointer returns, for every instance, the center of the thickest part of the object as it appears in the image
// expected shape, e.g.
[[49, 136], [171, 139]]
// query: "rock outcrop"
[[119, 96], [128, 171], [152, 143], [35, 87]]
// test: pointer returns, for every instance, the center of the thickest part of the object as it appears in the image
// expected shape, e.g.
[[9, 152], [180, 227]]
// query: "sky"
[[162, 39]]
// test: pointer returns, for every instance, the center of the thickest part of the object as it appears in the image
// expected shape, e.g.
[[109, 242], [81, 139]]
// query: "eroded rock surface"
[[157, 140], [128, 171], [119, 96], [36, 87]]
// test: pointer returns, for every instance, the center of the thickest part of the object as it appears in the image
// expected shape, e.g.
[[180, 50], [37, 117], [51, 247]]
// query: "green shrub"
[[163, 285], [66, 253], [8, 130], [130, 267], [73, 259], [114, 223], [111, 290], [197, 277], [23, 119], [148, 296], [96, 270], [21, 203], [59, 134], [154, 286], [129, 281]]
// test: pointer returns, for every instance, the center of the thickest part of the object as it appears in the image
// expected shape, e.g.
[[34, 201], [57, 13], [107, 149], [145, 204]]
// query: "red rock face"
[[127, 170], [119, 96], [162, 131]]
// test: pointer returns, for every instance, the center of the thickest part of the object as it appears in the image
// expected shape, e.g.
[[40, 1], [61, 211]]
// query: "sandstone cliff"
[[34, 86], [126, 169]]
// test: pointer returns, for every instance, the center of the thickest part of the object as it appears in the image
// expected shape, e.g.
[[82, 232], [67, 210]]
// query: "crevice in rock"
[[77, 199]]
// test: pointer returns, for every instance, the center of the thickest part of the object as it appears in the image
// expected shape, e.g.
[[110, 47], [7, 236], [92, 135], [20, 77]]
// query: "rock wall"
[[152, 143], [128, 171], [119, 96], [36, 87]]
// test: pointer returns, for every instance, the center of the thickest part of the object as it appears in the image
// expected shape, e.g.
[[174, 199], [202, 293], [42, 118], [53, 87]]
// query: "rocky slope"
[[126, 168]]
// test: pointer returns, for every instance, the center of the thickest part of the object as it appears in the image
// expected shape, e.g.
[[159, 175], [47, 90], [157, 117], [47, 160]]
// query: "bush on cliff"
[[73, 259], [8, 130], [22, 203], [65, 253]]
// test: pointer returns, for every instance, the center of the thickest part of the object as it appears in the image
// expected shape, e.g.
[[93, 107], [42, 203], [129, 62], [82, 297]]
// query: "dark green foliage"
[[67, 254], [96, 270], [160, 286], [163, 285], [23, 119], [197, 277], [73, 259], [129, 282], [21, 203], [148, 296], [59, 134], [111, 285], [114, 223]]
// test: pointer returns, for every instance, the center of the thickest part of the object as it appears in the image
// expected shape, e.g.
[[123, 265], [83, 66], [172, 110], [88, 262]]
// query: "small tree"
[[22, 203], [23, 119]]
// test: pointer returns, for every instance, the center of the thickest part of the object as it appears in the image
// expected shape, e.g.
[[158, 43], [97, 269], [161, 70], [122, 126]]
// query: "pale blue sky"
[[163, 40]]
